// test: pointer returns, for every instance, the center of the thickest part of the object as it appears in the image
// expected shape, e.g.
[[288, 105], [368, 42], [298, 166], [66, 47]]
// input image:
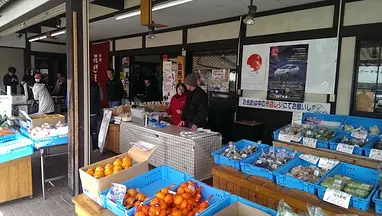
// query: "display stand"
[[16, 179], [268, 193], [348, 158], [84, 206], [113, 138]]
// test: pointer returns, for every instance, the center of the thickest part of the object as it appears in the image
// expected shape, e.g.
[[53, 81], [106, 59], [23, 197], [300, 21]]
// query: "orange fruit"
[[117, 162], [160, 195], [177, 213], [141, 197], [178, 200], [90, 172], [168, 199], [180, 190], [163, 213], [164, 190], [183, 205], [109, 166], [154, 201], [185, 212], [186, 196], [108, 171], [163, 205], [99, 174], [132, 192], [99, 169]]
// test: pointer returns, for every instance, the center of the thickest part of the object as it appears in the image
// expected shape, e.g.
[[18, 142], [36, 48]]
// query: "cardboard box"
[[240, 209], [92, 187], [33, 120]]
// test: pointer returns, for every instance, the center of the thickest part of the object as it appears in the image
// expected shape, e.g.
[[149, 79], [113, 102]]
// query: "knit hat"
[[191, 80]]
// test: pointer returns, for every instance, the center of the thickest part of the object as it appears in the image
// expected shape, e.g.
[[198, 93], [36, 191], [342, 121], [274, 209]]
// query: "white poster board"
[[104, 128], [321, 71]]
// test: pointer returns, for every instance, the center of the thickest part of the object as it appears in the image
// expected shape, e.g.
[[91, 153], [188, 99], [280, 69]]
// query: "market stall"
[[187, 154]]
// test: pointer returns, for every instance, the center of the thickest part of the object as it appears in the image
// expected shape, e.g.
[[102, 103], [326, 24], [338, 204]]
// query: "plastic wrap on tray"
[[348, 185], [239, 154], [273, 159], [309, 174]]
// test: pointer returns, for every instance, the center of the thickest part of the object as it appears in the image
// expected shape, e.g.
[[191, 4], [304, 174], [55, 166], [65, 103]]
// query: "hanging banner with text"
[[284, 105], [99, 63]]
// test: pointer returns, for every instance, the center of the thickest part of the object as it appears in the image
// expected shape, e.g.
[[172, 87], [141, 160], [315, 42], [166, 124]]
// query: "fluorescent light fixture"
[[58, 33], [34, 39], [155, 8], [42, 37]]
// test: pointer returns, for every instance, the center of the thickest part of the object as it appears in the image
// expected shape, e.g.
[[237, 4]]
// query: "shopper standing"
[[10, 79], [42, 95], [150, 91], [114, 88], [177, 104], [195, 112], [95, 107], [61, 86], [28, 79]]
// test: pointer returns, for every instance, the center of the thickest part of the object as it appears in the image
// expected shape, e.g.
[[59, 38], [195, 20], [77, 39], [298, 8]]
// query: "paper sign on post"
[[359, 135], [376, 154], [341, 147], [337, 198], [326, 163], [310, 158], [310, 142]]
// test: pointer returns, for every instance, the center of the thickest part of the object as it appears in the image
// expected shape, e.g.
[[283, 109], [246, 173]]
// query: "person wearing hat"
[[41, 94], [10, 79], [195, 111]]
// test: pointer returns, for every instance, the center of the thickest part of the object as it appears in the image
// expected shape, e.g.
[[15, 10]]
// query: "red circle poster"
[[255, 61]]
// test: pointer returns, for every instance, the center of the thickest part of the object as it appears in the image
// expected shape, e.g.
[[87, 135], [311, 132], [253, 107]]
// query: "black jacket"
[[150, 93], [7, 81], [95, 98], [115, 89], [196, 108]]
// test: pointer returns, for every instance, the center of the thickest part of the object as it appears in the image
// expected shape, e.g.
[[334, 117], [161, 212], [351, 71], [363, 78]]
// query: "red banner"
[[99, 63]]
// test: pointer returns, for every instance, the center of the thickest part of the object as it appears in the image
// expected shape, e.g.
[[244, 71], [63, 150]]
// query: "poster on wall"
[[255, 67], [219, 81], [169, 81], [99, 63], [124, 75], [287, 72], [202, 76]]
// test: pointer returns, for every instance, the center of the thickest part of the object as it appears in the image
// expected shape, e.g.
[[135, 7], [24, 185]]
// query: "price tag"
[[359, 135], [326, 163], [310, 158], [376, 154], [284, 137], [310, 142], [341, 147], [337, 198]]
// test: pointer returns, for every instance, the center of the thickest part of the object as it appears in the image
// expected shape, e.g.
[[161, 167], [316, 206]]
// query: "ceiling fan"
[[147, 18]]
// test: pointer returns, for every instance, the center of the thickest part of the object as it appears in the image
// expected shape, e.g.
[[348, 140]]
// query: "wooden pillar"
[[78, 103]]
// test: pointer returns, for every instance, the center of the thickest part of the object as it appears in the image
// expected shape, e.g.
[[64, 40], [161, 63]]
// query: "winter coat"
[[46, 103], [7, 81], [177, 103], [196, 108], [115, 89]]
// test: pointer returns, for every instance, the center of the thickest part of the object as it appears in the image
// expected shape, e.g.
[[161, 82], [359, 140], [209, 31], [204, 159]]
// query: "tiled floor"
[[54, 204]]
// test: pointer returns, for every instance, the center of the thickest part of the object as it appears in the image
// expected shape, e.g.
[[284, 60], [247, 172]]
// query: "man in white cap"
[[41, 94], [195, 111]]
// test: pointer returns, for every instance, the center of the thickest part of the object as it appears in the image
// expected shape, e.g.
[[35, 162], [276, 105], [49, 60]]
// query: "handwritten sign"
[[310, 158], [376, 154], [341, 147], [337, 198], [359, 135], [326, 163], [310, 142]]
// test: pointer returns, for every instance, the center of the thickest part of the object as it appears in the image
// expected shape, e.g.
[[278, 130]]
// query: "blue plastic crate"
[[16, 149], [358, 173], [148, 183], [370, 145], [45, 141], [371, 140], [325, 117], [366, 123], [219, 159], [232, 199], [294, 183], [248, 167], [10, 137], [377, 201], [276, 134]]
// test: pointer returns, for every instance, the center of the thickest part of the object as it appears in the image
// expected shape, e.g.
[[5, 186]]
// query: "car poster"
[[287, 72]]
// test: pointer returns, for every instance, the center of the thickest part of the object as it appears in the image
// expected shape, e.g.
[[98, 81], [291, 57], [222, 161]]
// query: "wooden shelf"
[[268, 193], [348, 158]]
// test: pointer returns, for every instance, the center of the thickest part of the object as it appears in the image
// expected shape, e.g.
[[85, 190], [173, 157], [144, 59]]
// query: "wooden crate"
[[268, 193], [16, 179], [84, 206], [112, 138]]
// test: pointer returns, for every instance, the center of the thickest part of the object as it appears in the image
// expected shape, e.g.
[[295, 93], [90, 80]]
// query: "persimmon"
[[178, 200], [154, 202], [164, 190], [132, 192], [140, 213], [160, 195], [183, 205], [180, 190], [168, 199]]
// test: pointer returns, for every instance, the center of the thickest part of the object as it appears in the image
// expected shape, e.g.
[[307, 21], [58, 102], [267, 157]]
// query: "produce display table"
[[192, 156], [268, 193], [16, 179], [84, 206]]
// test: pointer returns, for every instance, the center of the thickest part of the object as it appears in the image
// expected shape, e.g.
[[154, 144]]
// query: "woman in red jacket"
[[177, 104]]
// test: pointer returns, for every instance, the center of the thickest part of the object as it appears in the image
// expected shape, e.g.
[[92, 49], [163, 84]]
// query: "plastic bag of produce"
[[315, 211], [333, 183], [356, 192], [358, 185], [283, 209]]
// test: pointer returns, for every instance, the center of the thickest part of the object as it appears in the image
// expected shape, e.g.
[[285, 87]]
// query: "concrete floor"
[[54, 204]]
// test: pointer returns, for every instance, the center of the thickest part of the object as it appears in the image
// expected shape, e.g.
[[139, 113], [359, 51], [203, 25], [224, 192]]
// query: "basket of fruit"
[[265, 162], [146, 184], [190, 198], [234, 153], [359, 182]]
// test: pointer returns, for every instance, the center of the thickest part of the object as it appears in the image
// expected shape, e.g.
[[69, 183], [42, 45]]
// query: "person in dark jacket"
[[28, 79], [10, 79], [195, 111], [150, 91], [114, 89], [95, 107], [177, 104]]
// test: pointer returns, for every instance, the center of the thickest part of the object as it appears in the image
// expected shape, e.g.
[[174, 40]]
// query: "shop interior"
[[190, 107]]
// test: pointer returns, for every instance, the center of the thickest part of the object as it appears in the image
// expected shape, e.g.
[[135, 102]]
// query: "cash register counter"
[[188, 155]]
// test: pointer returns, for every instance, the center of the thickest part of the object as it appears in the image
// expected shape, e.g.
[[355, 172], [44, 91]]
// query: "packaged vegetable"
[[356, 192], [358, 185]]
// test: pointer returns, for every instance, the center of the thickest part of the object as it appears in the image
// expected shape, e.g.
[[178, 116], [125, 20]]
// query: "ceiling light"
[[249, 19], [58, 33], [155, 8], [34, 39], [151, 32], [42, 37]]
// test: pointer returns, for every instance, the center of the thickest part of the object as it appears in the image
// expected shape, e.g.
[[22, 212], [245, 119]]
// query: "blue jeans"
[[113, 104], [94, 131]]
